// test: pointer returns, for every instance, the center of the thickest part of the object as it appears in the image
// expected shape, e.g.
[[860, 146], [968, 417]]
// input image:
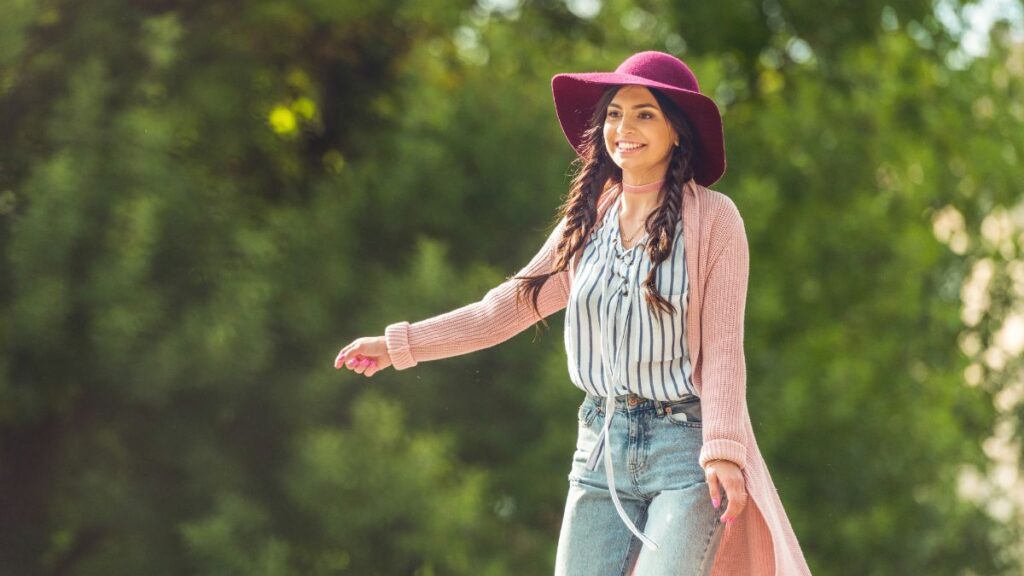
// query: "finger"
[[737, 502], [712, 478], [350, 349], [344, 356], [372, 369], [345, 351], [353, 360], [367, 364], [361, 365]]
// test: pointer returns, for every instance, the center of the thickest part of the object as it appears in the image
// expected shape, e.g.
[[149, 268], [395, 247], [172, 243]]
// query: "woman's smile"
[[627, 148]]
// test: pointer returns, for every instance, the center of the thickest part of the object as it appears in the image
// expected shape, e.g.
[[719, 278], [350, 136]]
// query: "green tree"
[[201, 202]]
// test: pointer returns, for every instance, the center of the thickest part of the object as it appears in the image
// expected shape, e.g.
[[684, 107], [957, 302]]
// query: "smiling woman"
[[659, 357]]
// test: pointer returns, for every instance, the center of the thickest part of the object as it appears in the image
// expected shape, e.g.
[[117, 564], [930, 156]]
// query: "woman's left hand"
[[731, 478]]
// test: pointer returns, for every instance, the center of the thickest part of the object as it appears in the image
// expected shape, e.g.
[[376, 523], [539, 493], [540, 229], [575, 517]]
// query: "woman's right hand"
[[367, 355]]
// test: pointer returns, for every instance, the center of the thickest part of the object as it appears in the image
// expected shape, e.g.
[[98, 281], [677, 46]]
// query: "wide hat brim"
[[576, 95]]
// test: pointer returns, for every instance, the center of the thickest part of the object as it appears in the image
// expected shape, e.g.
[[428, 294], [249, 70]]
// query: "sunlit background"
[[201, 202]]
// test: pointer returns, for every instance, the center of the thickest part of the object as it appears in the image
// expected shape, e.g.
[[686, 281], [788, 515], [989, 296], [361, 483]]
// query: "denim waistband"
[[636, 403]]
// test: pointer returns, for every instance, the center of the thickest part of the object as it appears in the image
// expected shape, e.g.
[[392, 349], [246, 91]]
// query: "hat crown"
[[660, 67]]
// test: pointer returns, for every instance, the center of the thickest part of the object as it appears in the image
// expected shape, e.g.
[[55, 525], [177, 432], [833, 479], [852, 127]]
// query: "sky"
[[978, 19]]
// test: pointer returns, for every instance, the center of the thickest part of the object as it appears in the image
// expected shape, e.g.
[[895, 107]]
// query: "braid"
[[662, 222], [579, 211]]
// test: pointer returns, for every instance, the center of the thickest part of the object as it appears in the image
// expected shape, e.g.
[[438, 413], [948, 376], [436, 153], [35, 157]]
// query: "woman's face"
[[635, 118]]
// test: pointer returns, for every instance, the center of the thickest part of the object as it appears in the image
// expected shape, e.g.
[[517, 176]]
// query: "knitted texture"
[[760, 542], [493, 320]]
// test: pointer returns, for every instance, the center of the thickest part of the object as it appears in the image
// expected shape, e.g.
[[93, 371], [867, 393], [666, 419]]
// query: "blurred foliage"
[[201, 202]]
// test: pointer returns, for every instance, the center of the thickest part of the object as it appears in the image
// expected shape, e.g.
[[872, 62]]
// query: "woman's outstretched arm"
[[493, 319]]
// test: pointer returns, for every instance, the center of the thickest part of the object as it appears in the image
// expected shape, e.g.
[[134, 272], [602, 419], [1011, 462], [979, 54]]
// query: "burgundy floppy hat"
[[577, 94]]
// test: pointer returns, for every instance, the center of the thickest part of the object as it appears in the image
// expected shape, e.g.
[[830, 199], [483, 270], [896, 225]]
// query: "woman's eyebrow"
[[645, 105]]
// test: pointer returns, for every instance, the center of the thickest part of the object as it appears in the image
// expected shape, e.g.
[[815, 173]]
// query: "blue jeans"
[[654, 448]]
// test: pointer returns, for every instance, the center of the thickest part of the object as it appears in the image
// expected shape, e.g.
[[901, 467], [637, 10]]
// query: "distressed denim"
[[660, 484]]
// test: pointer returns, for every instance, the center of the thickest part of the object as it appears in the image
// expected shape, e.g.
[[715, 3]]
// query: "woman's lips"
[[629, 151]]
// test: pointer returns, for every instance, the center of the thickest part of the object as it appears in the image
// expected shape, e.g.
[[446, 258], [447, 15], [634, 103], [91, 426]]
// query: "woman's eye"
[[645, 115]]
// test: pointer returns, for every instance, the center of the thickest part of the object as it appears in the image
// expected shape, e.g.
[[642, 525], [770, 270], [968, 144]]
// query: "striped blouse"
[[612, 334]]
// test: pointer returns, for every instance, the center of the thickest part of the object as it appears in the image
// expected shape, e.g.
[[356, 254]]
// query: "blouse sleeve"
[[724, 382], [495, 318]]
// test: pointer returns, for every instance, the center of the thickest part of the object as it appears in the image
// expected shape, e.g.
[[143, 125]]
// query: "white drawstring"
[[610, 474], [602, 439]]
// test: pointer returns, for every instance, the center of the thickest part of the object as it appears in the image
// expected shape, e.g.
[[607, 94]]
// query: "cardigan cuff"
[[722, 449], [397, 338]]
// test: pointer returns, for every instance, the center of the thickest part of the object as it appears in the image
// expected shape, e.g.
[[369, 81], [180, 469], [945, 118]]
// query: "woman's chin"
[[629, 162]]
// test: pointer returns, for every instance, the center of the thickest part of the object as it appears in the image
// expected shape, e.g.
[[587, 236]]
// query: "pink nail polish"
[[716, 502]]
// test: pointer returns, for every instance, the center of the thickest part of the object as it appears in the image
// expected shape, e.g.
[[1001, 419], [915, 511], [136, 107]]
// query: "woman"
[[660, 357]]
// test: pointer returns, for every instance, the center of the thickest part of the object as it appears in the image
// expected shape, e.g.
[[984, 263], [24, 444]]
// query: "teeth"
[[629, 146]]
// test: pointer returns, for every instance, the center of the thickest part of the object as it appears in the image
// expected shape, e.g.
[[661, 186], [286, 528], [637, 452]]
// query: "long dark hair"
[[596, 173]]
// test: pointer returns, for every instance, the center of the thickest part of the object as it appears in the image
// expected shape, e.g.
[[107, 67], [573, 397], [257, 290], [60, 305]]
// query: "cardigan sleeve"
[[724, 382], [495, 318]]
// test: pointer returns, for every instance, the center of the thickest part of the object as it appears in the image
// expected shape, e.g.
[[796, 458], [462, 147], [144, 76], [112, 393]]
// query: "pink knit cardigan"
[[760, 542]]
